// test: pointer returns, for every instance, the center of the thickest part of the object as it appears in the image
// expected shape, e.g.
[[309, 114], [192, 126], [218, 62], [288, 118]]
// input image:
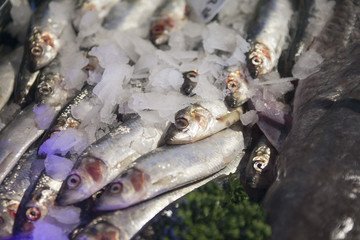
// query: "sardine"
[[189, 83], [199, 121], [316, 193], [267, 35], [12, 190], [167, 20], [124, 224], [102, 161], [259, 170], [170, 167], [41, 48], [20, 133], [7, 79], [237, 88]]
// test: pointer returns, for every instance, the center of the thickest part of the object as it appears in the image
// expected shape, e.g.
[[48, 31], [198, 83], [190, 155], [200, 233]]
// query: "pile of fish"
[[117, 108]]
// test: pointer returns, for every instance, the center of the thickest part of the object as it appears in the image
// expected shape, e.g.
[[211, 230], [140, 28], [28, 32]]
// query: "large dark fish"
[[5, 7], [317, 190]]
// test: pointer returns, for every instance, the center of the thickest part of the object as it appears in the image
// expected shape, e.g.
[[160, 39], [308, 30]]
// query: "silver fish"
[[267, 35], [167, 20], [7, 79], [20, 133], [41, 48], [13, 187], [199, 121], [124, 224], [102, 161], [316, 193], [170, 167], [237, 88]]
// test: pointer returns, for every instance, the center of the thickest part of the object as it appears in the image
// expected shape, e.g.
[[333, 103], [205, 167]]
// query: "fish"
[[167, 19], [170, 167], [267, 35], [130, 14], [102, 161], [7, 79], [199, 121], [237, 88], [125, 223], [23, 130], [82, 7], [41, 47], [189, 83], [13, 188], [259, 170], [316, 192]]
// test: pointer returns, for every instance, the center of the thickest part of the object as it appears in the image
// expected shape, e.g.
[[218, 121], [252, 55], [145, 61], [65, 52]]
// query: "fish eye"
[[259, 166], [232, 85], [45, 89], [73, 181], [37, 51], [116, 187], [191, 75], [157, 29], [33, 213], [256, 61], [181, 123]]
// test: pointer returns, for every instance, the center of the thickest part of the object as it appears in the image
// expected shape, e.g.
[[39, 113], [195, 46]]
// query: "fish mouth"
[[253, 70], [231, 101]]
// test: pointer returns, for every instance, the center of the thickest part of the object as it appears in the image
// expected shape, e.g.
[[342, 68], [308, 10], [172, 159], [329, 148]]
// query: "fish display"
[[317, 185], [122, 107], [170, 167], [108, 157]]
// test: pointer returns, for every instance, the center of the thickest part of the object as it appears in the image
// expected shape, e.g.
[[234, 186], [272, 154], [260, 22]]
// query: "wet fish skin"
[[41, 48], [189, 83], [267, 35], [166, 21], [199, 121], [317, 186], [237, 87], [127, 222], [169, 167], [7, 79], [13, 188], [102, 161], [259, 170]]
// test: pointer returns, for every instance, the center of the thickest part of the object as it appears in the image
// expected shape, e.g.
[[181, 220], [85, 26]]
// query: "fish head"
[[88, 175], [43, 48], [50, 90], [8, 211], [259, 168], [259, 60], [191, 124], [129, 189], [100, 230], [236, 88], [189, 82], [34, 210], [160, 31]]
